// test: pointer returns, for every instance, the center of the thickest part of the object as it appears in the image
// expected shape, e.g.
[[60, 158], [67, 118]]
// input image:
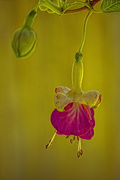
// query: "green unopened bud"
[[24, 39], [24, 42]]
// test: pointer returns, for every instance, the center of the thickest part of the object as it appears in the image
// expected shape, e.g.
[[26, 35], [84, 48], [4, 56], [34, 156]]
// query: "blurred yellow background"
[[27, 91]]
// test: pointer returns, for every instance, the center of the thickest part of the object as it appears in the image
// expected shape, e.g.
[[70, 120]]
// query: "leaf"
[[72, 4], [108, 6]]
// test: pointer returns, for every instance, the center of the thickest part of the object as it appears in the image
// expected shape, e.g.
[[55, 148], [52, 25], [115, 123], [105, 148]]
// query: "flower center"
[[74, 94]]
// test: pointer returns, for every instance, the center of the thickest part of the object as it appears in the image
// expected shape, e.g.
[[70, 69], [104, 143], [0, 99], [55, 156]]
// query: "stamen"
[[80, 152], [72, 139], [50, 142], [67, 136]]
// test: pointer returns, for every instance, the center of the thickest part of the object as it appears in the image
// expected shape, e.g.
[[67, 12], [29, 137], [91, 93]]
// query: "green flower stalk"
[[24, 39], [77, 72]]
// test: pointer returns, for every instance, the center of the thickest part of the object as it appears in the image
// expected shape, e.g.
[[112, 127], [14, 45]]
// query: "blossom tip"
[[79, 153], [47, 146], [72, 139]]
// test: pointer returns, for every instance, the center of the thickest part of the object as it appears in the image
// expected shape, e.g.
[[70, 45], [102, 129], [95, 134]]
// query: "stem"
[[77, 70], [37, 6], [84, 31], [59, 3], [51, 6], [31, 16]]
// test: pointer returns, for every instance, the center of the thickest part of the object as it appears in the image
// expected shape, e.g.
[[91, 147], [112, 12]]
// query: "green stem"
[[30, 19], [59, 3], [84, 31], [37, 6], [50, 5], [31, 16], [77, 71]]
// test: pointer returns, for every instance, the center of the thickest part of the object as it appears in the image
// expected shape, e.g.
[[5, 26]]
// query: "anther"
[[67, 136], [72, 139], [47, 146]]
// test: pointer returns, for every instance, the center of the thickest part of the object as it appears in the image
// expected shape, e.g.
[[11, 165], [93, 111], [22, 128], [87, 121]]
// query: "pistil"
[[80, 152], [72, 139]]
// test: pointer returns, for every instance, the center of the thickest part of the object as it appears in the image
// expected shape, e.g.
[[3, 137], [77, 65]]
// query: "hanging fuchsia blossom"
[[74, 113]]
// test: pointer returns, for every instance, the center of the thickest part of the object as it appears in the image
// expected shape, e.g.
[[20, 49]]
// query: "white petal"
[[62, 89], [89, 98], [61, 100]]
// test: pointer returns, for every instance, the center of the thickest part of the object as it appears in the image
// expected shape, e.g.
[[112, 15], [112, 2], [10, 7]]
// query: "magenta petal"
[[59, 133], [76, 119], [90, 114], [88, 135]]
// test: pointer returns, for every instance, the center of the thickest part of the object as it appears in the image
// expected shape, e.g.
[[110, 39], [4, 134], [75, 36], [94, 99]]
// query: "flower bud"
[[24, 39], [24, 42]]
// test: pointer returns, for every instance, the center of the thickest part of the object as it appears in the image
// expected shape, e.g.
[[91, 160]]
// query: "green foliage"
[[108, 6]]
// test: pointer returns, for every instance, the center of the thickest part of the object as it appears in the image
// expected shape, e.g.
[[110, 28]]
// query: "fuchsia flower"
[[74, 113]]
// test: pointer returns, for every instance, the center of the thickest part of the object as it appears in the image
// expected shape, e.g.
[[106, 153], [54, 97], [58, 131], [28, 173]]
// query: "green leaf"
[[108, 6], [72, 4]]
